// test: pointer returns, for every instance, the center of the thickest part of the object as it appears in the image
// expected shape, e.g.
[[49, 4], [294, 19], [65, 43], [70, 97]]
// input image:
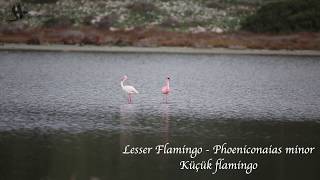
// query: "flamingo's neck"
[[122, 84], [168, 83]]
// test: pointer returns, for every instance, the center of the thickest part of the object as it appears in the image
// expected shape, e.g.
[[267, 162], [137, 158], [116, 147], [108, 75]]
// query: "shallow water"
[[64, 115]]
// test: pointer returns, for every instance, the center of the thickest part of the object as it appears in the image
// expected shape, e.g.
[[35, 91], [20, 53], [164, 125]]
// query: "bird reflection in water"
[[128, 115], [129, 123], [165, 124]]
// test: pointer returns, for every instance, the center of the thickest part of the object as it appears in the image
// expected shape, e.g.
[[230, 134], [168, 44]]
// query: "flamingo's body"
[[166, 89], [128, 89]]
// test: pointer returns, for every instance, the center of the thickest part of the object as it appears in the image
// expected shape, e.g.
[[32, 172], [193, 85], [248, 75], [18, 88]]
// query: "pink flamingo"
[[166, 89], [128, 89]]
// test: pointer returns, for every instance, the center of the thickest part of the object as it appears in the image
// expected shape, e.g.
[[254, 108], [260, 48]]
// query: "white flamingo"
[[128, 89]]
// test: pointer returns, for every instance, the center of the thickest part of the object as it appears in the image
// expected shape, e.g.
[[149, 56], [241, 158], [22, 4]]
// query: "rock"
[[198, 29], [129, 28], [35, 13], [113, 29], [96, 19], [217, 30]]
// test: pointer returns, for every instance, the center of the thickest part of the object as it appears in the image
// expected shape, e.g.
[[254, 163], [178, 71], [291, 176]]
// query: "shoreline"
[[155, 50]]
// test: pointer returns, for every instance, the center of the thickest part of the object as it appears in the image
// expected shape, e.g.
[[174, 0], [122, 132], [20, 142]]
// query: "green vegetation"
[[58, 22], [141, 13], [177, 15], [285, 16]]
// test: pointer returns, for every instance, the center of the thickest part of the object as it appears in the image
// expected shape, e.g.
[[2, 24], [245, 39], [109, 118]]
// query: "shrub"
[[39, 1], [87, 20], [285, 16], [216, 4], [170, 22], [142, 7], [107, 21], [58, 22], [142, 12]]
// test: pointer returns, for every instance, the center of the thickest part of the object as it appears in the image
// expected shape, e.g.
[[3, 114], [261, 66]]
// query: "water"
[[64, 115]]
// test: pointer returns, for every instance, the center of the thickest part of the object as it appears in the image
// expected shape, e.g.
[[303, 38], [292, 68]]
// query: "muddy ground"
[[156, 37]]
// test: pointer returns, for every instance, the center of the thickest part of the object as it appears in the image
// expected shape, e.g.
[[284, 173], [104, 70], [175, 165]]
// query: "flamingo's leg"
[[130, 98], [166, 98]]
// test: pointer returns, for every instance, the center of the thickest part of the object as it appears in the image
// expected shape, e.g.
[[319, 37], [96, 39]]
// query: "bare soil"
[[156, 37]]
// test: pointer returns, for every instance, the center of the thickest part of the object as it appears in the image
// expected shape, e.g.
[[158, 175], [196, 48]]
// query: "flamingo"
[[166, 89], [128, 89]]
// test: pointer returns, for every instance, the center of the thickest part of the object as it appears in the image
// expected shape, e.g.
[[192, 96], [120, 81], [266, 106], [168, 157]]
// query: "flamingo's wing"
[[165, 90], [130, 89]]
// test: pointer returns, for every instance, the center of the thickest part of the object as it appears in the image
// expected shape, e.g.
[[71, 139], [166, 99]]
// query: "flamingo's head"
[[168, 77], [125, 77]]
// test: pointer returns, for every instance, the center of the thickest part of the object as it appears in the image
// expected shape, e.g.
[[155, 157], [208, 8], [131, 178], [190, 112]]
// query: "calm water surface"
[[64, 115]]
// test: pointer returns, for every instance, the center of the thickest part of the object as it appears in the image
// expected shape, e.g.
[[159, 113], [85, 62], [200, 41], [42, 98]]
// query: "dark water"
[[64, 115]]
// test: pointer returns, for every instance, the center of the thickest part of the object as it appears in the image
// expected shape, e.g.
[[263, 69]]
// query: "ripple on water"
[[81, 91]]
